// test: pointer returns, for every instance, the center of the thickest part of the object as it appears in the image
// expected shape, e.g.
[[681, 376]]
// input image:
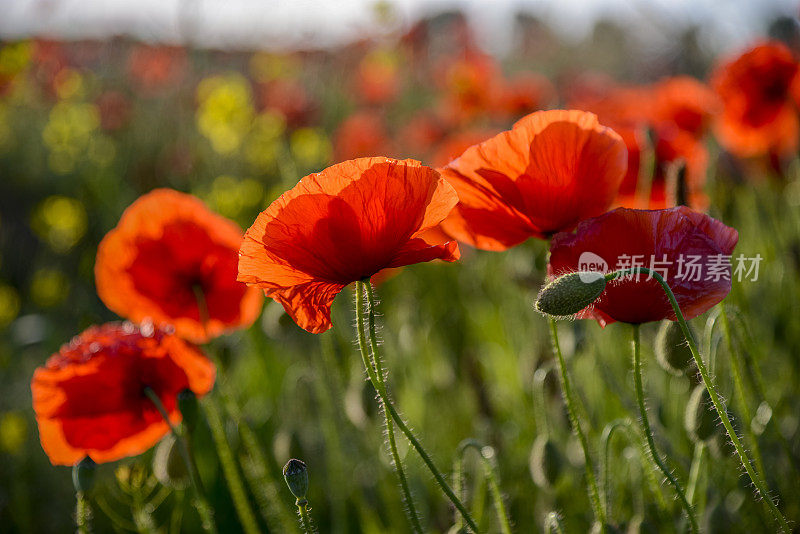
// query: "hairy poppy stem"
[[229, 469], [486, 454], [83, 513], [648, 432], [569, 400], [552, 524], [380, 387], [204, 509], [305, 518], [758, 482]]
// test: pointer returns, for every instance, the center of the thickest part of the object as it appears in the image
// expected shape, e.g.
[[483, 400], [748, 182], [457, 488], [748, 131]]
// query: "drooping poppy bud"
[[672, 350], [700, 418], [168, 464], [83, 475], [569, 294], [296, 476], [545, 462]]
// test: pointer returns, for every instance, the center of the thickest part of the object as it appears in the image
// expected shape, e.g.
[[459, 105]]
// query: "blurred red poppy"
[[153, 68], [689, 249], [360, 135], [522, 94], [759, 91], [168, 251], [469, 84], [452, 146], [550, 171], [378, 77], [288, 97], [344, 224], [89, 397]]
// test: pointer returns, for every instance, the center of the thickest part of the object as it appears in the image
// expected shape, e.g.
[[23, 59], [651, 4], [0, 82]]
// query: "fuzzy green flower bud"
[[569, 294], [672, 350], [296, 476], [83, 475], [168, 464], [187, 404], [545, 462], [700, 418]]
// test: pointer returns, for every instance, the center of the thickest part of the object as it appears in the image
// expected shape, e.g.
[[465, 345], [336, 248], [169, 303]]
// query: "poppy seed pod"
[[83, 475], [168, 464], [569, 294], [672, 350], [545, 462], [296, 476], [700, 418]]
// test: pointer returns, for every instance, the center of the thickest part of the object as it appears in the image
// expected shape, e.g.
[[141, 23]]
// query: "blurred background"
[[102, 101]]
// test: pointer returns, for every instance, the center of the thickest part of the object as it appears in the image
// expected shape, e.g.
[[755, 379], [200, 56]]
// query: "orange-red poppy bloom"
[[689, 249], [362, 134], [759, 94], [172, 260], [684, 103], [344, 224], [89, 397], [155, 68], [550, 171]]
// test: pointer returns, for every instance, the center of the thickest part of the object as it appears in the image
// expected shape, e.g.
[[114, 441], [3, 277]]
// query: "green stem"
[[760, 485], [648, 432], [375, 360], [83, 513], [229, 469], [204, 509], [744, 408], [694, 471], [486, 454], [566, 387], [305, 517], [540, 404], [552, 524], [362, 344]]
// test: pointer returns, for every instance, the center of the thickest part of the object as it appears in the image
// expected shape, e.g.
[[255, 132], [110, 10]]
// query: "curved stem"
[[759, 484], [694, 471], [229, 469], [494, 486], [566, 387], [83, 513], [204, 509], [648, 432], [437, 475], [540, 405], [305, 517], [377, 364]]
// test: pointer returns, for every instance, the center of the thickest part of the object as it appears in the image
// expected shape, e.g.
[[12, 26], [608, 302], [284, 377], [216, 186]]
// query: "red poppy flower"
[[89, 397], [523, 94], [167, 247], [551, 170], [756, 90], [684, 103], [690, 250], [360, 135], [378, 77], [469, 86], [344, 224], [154, 68]]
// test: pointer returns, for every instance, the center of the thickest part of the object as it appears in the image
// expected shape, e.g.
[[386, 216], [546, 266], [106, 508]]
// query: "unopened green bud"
[[83, 475], [296, 476], [672, 350], [700, 419], [187, 404], [569, 294], [168, 464], [545, 462]]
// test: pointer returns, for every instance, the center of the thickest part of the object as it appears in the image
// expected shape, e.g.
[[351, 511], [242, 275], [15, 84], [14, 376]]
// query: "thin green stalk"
[[375, 360], [83, 513], [552, 524], [694, 471], [540, 405], [229, 469], [204, 509], [758, 482], [744, 408], [305, 517], [566, 388], [494, 485], [648, 432], [379, 387]]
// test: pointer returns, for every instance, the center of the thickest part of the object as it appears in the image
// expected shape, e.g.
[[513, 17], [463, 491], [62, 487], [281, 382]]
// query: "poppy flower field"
[[401, 284]]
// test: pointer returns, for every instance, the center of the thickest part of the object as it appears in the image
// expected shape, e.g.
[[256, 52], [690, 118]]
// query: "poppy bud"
[[545, 462], [672, 350], [700, 419], [296, 476], [569, 294], [168, 464], [83, 475], [187, 404]]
